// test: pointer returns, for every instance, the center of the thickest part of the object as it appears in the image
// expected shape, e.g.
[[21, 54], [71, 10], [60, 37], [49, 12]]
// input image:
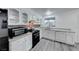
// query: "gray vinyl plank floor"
[[41, 45], [57, 46], [66, 47], [47, 45]]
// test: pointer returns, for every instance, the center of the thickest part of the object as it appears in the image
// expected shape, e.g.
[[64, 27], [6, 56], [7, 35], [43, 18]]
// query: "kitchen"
[[22, 35], [43, 29]]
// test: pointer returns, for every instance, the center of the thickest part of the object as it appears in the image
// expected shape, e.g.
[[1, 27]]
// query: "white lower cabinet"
[[51, 35], [65, 37], [70, 37], [21, 44], [18, 45], [45, 33], [28, 43], [60, 36]]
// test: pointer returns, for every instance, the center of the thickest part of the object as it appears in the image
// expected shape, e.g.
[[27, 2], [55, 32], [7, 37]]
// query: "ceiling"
[[42, 11]]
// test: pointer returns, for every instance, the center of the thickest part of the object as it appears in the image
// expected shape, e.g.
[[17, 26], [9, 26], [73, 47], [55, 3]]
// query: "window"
[[49, 21]]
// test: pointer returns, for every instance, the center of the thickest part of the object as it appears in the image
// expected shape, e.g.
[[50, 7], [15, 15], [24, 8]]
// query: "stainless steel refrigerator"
[[4, 44]]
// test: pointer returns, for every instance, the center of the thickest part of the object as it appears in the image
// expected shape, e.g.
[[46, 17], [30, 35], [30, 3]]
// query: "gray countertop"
[[58, 29], [20, 37]]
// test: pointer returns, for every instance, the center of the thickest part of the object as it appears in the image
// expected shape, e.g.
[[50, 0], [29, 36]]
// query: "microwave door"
[[19, 32]]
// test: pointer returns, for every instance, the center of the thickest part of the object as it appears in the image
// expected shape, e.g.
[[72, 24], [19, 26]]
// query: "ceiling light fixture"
[[48, 12]]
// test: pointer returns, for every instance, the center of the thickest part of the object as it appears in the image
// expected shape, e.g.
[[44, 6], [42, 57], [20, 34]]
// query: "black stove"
[[35, 37]]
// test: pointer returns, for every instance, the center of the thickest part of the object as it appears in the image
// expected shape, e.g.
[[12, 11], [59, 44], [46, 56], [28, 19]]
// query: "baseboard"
[[57, 41]]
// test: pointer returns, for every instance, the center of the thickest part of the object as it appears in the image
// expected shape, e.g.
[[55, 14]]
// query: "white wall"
[[69, 20]]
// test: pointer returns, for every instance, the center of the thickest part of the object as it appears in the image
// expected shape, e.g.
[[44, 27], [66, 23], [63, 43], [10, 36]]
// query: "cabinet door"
[[24, 18], [45, 33], [61, 36], [28, 43], [13, 17], [18, 45], [70, 38], [40, 33], [51, 35]]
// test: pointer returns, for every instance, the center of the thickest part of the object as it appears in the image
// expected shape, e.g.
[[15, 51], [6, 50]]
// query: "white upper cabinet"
[[21, 16], [13, 16], [24, 17], [17, 17]]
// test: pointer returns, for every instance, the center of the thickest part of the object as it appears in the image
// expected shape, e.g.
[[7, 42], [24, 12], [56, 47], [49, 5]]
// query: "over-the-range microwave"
[[12, 32]]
